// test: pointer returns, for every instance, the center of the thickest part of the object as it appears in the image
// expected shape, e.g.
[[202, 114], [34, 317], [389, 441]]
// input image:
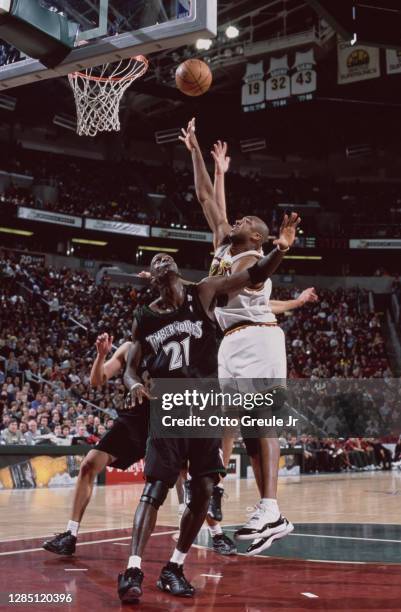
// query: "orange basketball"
[[193, 77]]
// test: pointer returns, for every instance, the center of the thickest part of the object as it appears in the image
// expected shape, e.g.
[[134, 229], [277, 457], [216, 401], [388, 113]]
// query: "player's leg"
[[205, 466], [93, 464], [163, 462], [268, 362]]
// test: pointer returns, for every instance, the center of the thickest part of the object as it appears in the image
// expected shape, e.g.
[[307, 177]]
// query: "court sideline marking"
[[27, 550]]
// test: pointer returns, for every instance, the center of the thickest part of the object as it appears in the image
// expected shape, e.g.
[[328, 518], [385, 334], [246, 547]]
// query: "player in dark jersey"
[[123, 445], [176, 337]]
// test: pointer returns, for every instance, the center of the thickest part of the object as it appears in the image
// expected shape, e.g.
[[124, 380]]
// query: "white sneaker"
[[260, 525], [263, 543]]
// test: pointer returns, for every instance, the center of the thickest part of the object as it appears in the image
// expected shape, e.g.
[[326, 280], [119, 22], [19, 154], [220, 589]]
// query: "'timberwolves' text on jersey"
[[180, 344]]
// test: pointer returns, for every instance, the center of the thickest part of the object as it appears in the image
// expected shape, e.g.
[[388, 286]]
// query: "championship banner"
[[135, 473], [33, 214], [381, 243], [177, 234], [357, 63], [393, 61], [116, 227]]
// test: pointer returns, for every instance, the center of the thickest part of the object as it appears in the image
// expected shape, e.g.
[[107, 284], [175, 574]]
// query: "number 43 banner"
[[280, 84]]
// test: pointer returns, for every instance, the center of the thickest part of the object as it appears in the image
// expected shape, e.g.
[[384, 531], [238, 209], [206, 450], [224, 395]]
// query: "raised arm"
[[221, 167], [307, 296], [132, 380], [258, 273], [204, 187], [101, 371]]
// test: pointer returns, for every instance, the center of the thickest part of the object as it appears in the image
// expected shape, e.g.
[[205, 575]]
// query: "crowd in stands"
[[50, 318], [121, 191], [352, 454]]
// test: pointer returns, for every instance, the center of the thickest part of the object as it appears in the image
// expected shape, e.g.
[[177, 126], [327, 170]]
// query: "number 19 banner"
[[281, 83]]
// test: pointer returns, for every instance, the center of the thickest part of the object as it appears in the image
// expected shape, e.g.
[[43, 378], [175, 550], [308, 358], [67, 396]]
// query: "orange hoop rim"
[[133, 77]]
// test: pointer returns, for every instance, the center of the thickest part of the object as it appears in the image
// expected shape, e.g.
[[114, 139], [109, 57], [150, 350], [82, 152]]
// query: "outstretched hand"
[[219, 154], [288, 231], [104, 344], [189, 136], [308, 295]]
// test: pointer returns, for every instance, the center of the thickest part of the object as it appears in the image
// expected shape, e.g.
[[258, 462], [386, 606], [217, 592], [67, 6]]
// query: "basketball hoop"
[[98, 91]]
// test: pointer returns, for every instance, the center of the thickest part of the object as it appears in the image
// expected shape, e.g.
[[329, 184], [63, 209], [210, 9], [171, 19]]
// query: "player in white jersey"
[[253, 345]]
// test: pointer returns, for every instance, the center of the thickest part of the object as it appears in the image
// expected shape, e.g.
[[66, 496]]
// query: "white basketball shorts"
[[253, 352]]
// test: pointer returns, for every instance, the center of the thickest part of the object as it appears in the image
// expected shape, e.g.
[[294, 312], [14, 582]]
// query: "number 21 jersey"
[[179, 344]]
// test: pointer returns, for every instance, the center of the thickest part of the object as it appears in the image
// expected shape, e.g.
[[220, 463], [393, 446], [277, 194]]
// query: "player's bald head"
[[260, 227]]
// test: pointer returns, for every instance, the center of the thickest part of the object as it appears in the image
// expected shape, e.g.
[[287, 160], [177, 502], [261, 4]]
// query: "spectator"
[[12, 435], [33, 435]]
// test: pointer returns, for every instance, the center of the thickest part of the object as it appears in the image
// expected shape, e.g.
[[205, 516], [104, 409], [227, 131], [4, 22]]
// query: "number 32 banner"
[[281, 83]]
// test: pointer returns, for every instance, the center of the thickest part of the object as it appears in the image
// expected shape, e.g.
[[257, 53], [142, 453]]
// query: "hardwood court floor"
[[353, 520]]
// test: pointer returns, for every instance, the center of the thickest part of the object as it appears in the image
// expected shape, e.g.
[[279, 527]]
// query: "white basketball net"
[[98, 91]]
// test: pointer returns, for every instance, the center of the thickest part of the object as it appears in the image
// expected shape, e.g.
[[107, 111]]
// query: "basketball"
[[193, 77]]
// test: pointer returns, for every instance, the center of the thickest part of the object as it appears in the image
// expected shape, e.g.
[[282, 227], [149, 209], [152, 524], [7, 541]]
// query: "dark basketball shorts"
[[126, 440], [166, 456]]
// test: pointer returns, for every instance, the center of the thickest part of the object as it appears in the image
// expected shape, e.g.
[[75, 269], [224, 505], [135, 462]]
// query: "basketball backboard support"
[[111, 30]]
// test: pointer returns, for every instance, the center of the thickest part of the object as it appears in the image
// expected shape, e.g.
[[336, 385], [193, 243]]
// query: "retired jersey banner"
[[357, 63], [253, 89], [393, 61], [289, 77], [278, 84]]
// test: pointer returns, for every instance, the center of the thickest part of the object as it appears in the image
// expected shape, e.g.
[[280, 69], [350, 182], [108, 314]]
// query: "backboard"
[[110, 30]]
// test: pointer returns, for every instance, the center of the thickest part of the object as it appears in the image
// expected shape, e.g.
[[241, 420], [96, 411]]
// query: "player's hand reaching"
[[308, 296], [288, 231], [137, 394], [221, 160], [104, 344], [144, 274], [189, 136]]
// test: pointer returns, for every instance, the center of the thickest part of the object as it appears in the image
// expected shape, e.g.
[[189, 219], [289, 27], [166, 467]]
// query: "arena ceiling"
[[357, 114]]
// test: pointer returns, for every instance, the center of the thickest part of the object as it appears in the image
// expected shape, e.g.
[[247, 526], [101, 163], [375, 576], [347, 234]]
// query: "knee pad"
[[154, 493], [201, 492]]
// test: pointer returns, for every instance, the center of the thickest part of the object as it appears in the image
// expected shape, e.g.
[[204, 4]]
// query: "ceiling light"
[[232, 32], [91, 242], [158, 249], [17, 232], [204, 44]]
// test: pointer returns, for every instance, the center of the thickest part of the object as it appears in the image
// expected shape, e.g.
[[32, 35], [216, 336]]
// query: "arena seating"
[[49, 322]]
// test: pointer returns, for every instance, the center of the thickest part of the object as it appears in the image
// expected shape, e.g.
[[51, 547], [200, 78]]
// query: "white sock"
[[178, 557], [134, 561], [73, 526], [215, 530], [271, 506]]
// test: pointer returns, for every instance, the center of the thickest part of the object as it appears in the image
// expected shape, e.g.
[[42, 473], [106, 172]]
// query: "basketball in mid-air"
[[193, 77]]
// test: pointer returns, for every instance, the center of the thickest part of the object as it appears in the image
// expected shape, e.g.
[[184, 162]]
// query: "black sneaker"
[[130, 585], [214, 509], [172, 580], [223, 545], [61, 544]]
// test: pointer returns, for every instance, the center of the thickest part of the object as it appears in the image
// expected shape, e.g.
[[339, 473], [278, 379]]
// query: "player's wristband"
[[134, 386], [283, 250]]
